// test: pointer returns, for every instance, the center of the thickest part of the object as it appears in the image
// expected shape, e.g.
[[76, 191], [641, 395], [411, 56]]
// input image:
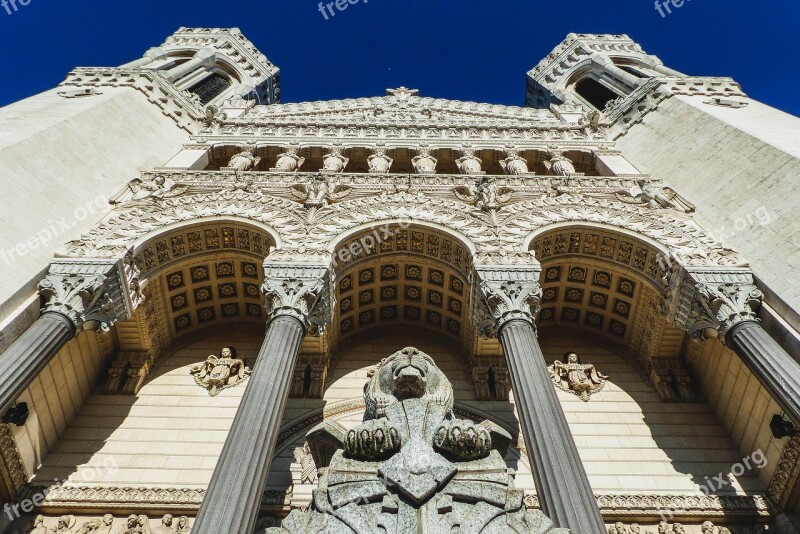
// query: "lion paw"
[[373, 440], [463, 439]]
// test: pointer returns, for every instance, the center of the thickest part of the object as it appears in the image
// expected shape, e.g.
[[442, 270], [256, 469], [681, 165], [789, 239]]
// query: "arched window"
[[210, 87], [595, 93]]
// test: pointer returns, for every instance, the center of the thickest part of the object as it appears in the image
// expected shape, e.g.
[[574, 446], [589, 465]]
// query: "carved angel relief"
[[656, 197], [574, 377], [218, 373], [320, 192], [484, 194]]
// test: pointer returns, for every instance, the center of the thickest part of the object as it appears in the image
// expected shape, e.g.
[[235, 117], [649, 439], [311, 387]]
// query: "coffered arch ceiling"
[[402, 275], [596, 279], [205, 274]]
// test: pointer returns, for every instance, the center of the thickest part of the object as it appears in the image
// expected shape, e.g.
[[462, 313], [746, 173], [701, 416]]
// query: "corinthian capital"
[[506, 294], [720, 307], [299, 291], [93, 294], [709, 303]]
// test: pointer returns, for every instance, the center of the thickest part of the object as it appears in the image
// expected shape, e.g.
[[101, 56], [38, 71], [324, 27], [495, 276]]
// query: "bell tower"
[[592, 70], [214, 65]]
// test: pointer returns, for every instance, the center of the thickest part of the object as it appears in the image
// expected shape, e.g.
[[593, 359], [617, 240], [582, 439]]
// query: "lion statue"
[[412, 466]]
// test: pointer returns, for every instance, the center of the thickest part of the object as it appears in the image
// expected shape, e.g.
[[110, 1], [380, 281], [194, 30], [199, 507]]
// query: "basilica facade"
[[398, 314]]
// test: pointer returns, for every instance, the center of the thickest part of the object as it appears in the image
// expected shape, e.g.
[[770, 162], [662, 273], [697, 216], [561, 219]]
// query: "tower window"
[[635, 72], [595, 93], [210, 88]]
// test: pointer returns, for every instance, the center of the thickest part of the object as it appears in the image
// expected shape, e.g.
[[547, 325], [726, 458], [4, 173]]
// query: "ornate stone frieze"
[[300, 291], [93, 294], [505, 232], [12, 469], [508, 293], [786, 475], [108, 524], [577, 378], [708, 303]]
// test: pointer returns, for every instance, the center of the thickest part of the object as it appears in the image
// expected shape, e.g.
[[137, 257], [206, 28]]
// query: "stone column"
[[728, 310], [152, 55], [233, 499], [77, 295], [616, 72], [203, 58], [512, 297]]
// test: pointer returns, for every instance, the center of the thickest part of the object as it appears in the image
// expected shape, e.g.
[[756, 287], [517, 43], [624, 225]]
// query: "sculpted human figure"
[[130, 526], [581, 379], [320, 192], [424, 163], [334, 161], [514, 164], [289, 161], [379, 162], [559, 165], [412, 466], [38, 526], [216, 374], [469, 163], [485, 194], [165, 527], [244, 161], [183, 525], [65, 524]]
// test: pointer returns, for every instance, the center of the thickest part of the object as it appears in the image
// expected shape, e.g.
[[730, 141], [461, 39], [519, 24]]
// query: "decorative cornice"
[[92, 294], [12, 468], [299, 291], [614, 506], [181, 106], [786, 475]]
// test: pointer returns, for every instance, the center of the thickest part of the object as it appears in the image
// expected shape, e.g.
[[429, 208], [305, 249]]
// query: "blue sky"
[[460, 49]]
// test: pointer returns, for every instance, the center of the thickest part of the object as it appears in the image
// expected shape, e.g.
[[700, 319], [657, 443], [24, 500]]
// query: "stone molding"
[[12, 467], [786, 475], [503, 231], [182, 107], [93, 293], [708, 303]]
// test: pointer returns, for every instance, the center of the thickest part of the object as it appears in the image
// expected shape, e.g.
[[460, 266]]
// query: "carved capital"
[[299, 291], [708, 303], [506, 294], [93, 294]]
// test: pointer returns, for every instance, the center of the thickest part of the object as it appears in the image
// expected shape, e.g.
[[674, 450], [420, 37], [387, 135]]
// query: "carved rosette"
[[93, 294], [507, 294], [299, 291]]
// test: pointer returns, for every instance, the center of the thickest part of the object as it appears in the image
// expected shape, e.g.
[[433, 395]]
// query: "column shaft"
[[773, 366], [30, 353], [234, 495], [184, 69], [561, 481]]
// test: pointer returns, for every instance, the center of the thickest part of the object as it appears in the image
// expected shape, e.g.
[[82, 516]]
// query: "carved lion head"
[[406, 374]]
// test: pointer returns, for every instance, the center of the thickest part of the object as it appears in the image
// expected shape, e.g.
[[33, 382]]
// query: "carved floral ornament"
[[507, 231]]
